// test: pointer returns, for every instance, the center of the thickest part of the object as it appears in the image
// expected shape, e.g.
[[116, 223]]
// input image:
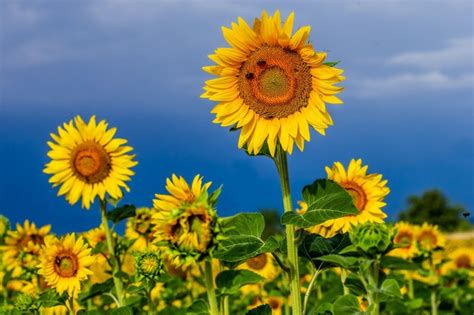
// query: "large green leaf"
[[326, 200], [229, 281], [97, 289], [260, 310], [314, 246], [345, 262], [121, 213], [199, 307], [391, 262], [241, 238], [347, 305], [389, 289]]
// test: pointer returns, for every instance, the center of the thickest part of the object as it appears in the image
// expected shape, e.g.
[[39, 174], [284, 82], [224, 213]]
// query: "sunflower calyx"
[[370, 238]]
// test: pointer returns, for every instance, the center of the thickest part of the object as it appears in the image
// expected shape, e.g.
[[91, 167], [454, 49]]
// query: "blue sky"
[[408, 108]]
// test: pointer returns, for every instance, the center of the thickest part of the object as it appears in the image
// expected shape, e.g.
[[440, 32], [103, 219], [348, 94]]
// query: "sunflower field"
[[336, 254]]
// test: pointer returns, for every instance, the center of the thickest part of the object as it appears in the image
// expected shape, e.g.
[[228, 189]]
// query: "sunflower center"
[[357, 193], [35, 238], [404, 239], [258, 262], [274, 303], [427, 239], [91, 162], [66, 265], [275, 82], [463, 261]]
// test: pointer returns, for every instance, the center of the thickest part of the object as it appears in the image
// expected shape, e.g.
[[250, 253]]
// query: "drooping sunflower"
[[140, 228], [263, 265], [22, 247], [405, 240], [272, 84], [368, 192], [87, 161], [429, 237], [184, 219], [65, 263]]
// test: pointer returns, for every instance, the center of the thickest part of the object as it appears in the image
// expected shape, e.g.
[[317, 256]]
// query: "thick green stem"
[[211, 294], [343, 281], [225, 306], [110, 246], [295, 291], [411, 290], [434, 303], [374, 284]]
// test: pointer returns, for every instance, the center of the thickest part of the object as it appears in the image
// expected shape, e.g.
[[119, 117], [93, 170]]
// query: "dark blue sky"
[[408, 109]]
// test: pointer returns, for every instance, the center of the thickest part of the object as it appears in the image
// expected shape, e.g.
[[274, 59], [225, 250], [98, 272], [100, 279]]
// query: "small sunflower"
[[272, 84], [405, 240], [263, 265], [95, 236], [368, 192], [184, 219], [461, 258], [87, 161], [429, 237], [22, 247], [65, 263], [141, 229], [276, 304]]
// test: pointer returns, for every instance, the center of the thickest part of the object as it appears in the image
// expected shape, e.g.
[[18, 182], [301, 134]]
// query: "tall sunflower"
[[429, 237], [405, 240], [367, 190], [272, 84], [87, 161], [184, 219], [22, 247], [65, 263]]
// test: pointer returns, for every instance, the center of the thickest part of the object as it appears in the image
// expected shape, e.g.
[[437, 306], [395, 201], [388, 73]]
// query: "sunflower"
[[184, 219], [405, 239], [429, 237], [263, 265], [95, 236], [140, 229], [22, 247], [368, 192], [65, 263], [272, 84], [88, 162], [276, 304], [461, 258]]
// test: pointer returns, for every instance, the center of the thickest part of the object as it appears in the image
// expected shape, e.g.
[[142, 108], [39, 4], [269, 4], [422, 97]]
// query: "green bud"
[[371, 238], [149, 265], [24, 302]]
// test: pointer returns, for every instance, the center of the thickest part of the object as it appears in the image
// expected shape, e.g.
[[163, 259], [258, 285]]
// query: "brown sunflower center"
[[258, 262], [357, 193], [427, 239], [37, 239], [463, 261], [91, 162], [404, 238], [66, 265], [274, 303], [275, 82]]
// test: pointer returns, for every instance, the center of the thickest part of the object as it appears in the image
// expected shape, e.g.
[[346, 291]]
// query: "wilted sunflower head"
[[429, 237], [185, 220], [65, 262], [405, 241], [140, 228], [271, 84], [367, 191], [87, 161]]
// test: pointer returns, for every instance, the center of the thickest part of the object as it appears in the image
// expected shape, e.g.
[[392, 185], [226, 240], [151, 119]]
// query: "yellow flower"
[[276, 304], [405, 239], [461, 258], [95, 236], [88, 162], [100, 269], [184, 219], [368, 192], [263, 265], [65, 263], [272, 84], [140, 228], [22, 247], [429, 237]]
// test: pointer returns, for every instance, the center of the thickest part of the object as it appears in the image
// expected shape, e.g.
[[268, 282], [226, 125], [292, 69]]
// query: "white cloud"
[[408, 83], [458, 53]]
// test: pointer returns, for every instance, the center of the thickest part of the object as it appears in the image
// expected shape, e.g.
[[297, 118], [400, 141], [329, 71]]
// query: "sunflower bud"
[[371, 238], [24, 302], [149, 265]]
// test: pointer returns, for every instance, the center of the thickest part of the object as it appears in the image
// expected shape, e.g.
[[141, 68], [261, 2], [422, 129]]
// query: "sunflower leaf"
[[264, 309], [241, 238], [314, 246], [121, 213], [326, 200], [229, 281]]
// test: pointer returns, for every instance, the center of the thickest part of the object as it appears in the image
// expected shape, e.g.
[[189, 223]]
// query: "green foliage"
[[315, 246], [346, 305], [199, 307], [261, 310], [371, 238], [121, 213], [230, 281], [434, 207], [326, 200], [97, 289], [241, 238], [272, 223]]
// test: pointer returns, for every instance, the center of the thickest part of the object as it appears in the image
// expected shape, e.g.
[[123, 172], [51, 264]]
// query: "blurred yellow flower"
[[263, 265], [86, 161], [271, 84], [429, 237], [368, 192], [405, 239], [140, 228]]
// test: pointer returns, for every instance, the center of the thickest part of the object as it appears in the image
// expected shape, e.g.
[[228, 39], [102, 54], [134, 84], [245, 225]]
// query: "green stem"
[[411, 290], [211, 294], [295, 291], [110, 246], [225, 306], [309, 290], [374, 282], [434, 303], [343, 281]]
